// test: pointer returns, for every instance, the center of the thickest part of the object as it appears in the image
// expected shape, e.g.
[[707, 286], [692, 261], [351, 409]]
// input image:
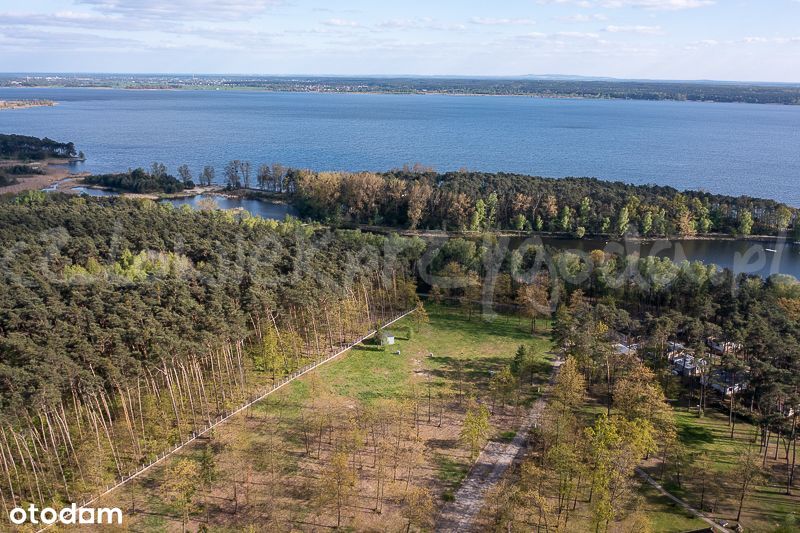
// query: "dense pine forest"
[[475, 201], [32, 148], [419, 198], [126, 325]]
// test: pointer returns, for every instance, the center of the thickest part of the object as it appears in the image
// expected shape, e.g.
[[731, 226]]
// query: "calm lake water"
[[264, 209], [273, 210], [724, 148], [740, 256]]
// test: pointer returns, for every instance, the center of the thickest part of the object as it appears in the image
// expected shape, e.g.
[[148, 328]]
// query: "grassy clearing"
[[665, 516], [766, 509], [465, 354]]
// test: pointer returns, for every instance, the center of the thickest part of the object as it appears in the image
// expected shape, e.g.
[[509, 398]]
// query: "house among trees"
[[726, 382], [685, 365], [674, 348], [625, 349], [723, 347]]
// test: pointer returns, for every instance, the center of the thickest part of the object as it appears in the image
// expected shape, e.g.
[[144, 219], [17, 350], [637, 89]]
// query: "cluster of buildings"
[[706, 369], [684, 362]]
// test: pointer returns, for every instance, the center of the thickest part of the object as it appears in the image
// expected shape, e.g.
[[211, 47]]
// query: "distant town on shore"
[[531, 86]]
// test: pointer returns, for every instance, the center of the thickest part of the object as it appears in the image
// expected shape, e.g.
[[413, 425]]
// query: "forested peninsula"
[[478, 201], [416, 198], [27, 148], [140, 181], [27, 158], [24, 104]]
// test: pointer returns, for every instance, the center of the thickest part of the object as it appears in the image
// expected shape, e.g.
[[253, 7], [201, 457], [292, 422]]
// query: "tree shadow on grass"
[[474, 371], [368, 348], [451, 472], [696, 435], [442, 444], [460, 324]]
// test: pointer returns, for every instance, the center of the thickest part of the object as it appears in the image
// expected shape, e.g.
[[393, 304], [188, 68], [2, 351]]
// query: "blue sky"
[[659, 39]]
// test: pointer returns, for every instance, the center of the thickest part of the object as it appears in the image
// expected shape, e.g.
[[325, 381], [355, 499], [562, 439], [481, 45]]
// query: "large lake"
[[725, 148]]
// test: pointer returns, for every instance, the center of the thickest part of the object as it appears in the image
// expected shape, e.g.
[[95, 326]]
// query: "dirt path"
[[459, 515]]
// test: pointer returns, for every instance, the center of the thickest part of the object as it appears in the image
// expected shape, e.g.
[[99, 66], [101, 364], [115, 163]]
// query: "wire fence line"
[[221, 419]]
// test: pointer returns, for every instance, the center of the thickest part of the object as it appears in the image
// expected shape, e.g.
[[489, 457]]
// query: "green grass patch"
[[767, 508], [368, 374], [666, 516], [711, 434], [507, 436], [472, 349], [451, 471]]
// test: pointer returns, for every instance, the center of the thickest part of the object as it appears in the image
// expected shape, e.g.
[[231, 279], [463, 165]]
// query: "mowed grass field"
[[438, 359], [448, 346]]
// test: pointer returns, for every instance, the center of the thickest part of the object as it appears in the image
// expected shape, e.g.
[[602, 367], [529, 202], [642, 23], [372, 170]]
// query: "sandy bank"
[[24, 104], [55, 170]]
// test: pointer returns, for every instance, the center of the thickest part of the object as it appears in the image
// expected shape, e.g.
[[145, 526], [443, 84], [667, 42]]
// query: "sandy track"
[[495, 458]]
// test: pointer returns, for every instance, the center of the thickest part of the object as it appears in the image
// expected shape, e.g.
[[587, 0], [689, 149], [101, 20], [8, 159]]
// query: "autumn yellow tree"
[[418, 195], [419, 509], [475, 430], [534, 299], [182, 480], [337, 483], [615, 446]]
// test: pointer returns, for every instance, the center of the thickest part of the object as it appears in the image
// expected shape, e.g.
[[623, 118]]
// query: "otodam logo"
[[67, 516]]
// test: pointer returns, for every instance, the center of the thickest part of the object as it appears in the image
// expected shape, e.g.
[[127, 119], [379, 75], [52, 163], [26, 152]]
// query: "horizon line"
[[537, 77]]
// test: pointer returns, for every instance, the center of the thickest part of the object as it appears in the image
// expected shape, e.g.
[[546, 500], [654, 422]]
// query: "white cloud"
[[582, 17], [47, 40], [769, 40], [575, 35], [341, 23], [502, 22], [661, 5], [424, 23], [183, 9], [703, 43], [69, 19], [532, 35], [398, 24], [644, 30], [579, 3]]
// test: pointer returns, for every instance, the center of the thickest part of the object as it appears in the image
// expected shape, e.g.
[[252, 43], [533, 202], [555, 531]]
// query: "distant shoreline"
[[533, 96], [677, 91], [211, 89]]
